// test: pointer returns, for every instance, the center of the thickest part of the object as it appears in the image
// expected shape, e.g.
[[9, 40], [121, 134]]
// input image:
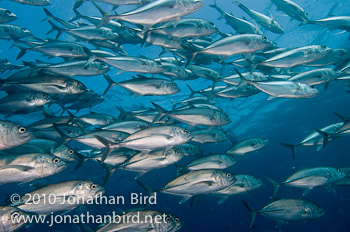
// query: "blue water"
[[279, 120]]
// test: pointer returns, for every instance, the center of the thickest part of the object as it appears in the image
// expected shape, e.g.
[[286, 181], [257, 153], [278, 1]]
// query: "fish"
[[92, 119], [13, 134], [292, 9], [316, 76], [213, 161], [236, 44], [195, 116], [55, 48], [129, 127], [188, 27], [23, 102], [6, 16], [298, 56], [13, 32], [310, 178], [78, 192], [157, 12], [243, 184], [34, 2], [288, 210], [144, 86], [263, 20], [132, 64], [195, 183], [286, 89], [248, 145], [28, 167], [237, 91], [148, 221], [76, 68], [12, 218], [209, 136], [149, 139], [154, 160], [334, 22], [240, 25], [49, 84]]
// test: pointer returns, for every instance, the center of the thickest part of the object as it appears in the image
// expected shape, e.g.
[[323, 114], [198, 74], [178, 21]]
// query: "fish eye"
[[323, 47], [15, 214], [306, 14], [228, 175], [177, 220], [167, 219], [93, 186], [174, 85], [177, 151], [70, 151], [56, 160], [186, 131], [22, 130], [8, 12]]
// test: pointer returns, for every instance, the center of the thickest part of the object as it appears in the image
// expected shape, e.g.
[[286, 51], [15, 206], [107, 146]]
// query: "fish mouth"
[[99, 193]]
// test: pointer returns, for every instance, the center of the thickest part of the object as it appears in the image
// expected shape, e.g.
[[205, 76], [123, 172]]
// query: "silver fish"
[[263, 20], [248, 145], [28, 167], [6, 16], [34, 2], [12, 135], [12, 218], [215, 161], [286, 210], [147, 222], [77, 191], [156, 12], [13, 32], [292, 9]]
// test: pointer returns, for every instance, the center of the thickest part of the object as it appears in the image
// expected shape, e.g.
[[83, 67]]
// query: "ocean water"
[[279, 120]]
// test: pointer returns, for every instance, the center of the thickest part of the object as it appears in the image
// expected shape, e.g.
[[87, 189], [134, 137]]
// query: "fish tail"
[[252, 214], [85, 228], [275, 185], [325, 136], [215, 6], [77, 16], [161, 112], [147, 188], [292, 147], [243, 80], [111, 83], [193, 92], [109, 172], [55, 28], [49, 15], [104, 20], [342, 117], [107, 145], [102, 12], [64, 137], [78, 3], [23, 50]]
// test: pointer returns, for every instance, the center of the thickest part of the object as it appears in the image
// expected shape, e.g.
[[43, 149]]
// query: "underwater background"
[[279, 120]]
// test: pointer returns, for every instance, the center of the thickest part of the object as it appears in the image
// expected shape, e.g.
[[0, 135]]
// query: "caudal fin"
[[107, 145], [275, 185], [252, 214], [291, 147], [325, 136], [111, 83], [161, 112]]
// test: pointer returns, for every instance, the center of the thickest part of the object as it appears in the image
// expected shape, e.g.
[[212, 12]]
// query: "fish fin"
[[19, 167], [306, 191], [109, 172], [85, 228], [49, 15], [111, 83], [100, 9], [291, 147], [139, 174], [147, 188], [326, 85], [55, 28], [252, 214], [23, 50], [184, 199], [342, 117], [222, 200], [275, 186], [106, 19], [325, 136], [64, 137], [107, 145], [161, 112]]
